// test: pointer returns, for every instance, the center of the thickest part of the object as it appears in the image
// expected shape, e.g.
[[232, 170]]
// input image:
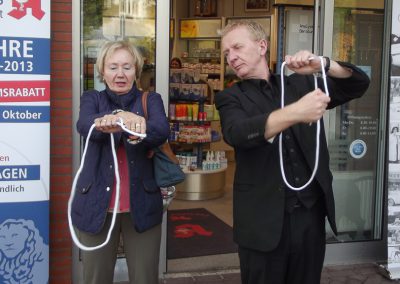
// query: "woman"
[[176, 63], [139, 217]]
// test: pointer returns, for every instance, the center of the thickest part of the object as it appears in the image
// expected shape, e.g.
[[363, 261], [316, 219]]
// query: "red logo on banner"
[[20, 7]]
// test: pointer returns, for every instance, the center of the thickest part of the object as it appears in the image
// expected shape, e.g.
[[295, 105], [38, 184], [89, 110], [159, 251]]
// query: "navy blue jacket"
[[95, 183]]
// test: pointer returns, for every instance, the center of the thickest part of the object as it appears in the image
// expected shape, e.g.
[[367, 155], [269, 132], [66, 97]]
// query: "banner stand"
[[24, 141]]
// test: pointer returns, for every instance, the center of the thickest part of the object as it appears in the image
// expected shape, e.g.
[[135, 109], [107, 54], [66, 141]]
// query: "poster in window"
[[199, 28], [395, 40]]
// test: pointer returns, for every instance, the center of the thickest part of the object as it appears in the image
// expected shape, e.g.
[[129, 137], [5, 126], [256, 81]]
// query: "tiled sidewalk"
[[338, 274]]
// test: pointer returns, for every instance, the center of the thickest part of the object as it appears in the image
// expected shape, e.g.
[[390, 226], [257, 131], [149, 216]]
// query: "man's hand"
[[304, 62], [311, 107]]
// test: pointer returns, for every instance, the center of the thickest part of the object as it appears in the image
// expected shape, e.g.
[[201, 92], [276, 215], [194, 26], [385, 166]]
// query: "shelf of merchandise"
[[202, 184], [197, 146]]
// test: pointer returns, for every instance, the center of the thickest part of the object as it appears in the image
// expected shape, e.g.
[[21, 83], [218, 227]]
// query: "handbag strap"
[[144, 104], [165, 148]]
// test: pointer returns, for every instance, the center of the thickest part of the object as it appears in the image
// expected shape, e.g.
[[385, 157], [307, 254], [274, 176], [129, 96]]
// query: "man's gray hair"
[[256, 30]]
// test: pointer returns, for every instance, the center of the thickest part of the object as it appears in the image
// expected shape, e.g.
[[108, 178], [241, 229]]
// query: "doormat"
[[197, 232]]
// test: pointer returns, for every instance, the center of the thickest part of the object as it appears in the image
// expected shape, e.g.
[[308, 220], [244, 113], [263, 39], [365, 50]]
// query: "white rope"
[[117, 191], [318, 128]]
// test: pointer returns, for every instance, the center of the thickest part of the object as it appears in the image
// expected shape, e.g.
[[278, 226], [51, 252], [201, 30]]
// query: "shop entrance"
[[199, 220], [208, 160]]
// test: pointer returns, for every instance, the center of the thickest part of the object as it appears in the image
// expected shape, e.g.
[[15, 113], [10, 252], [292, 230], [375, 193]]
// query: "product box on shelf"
[[186, 112], [174, 90], [187, 160], [209, 110], [175, 75], [187, 76], [185, 91], [197, 91], [188, 92], [194, 134]]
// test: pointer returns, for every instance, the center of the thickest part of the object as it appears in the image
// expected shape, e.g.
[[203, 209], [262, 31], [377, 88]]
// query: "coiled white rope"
[[117, 191], [318, 127]]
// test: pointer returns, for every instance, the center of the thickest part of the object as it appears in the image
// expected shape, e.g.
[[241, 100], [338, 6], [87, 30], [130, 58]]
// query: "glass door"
[[107, 20], [352, 31], [131, 20]]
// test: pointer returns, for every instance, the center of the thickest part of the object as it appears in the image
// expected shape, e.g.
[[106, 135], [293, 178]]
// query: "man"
[[280, 232]]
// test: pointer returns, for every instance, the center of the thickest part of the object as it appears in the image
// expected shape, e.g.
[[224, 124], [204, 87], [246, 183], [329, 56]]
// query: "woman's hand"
[[133, 122], [107, 124]]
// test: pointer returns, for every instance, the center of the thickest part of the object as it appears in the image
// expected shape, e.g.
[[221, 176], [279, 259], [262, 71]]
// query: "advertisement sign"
[[24, 140], [299, 30]]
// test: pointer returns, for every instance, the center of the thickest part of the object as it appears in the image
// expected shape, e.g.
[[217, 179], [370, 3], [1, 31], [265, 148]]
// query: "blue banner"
[[24, 140], [24, 234], [24, 56], [19, 173], [24, 114]]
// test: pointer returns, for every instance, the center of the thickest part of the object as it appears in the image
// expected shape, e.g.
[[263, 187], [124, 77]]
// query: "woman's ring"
[[137, 125]]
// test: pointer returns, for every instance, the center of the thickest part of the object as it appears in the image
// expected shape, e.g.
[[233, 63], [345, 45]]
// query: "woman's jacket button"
[[107, 188]]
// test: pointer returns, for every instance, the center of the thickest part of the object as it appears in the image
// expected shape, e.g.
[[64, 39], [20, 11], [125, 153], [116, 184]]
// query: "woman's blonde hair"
[[110, 47], [255, 29]]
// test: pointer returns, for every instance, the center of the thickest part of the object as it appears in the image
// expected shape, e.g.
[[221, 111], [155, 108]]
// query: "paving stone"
[[183, 280], [338, 280], [325, 281], [359, 277], [231, 278], [354, 281], [208, 279]]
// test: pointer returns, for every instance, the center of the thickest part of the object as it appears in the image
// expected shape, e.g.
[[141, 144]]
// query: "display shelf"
[[202, 62], [194, 143], [181, 100], [211, 74], [188, 143], [194, 121], [202, 57], [200, 171]]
